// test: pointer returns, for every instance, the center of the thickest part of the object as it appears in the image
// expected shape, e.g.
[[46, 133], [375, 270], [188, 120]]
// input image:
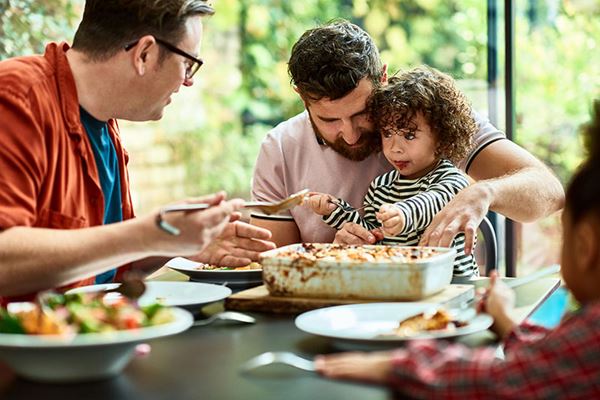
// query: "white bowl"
[[82, 357], [238, 279]]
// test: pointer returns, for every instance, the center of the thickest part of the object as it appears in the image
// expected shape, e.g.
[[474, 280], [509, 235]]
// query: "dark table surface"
[[203, 363]]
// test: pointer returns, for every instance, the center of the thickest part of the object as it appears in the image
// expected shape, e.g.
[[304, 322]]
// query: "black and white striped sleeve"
[[340, 216], [420, 209]]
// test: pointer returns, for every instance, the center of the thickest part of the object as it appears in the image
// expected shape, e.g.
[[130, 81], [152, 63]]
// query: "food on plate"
[[427, 322], [80, 313], [312, 252], [209, 267]]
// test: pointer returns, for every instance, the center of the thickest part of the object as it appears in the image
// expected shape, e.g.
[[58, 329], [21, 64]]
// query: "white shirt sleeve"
[[268, 182], [486, 135]]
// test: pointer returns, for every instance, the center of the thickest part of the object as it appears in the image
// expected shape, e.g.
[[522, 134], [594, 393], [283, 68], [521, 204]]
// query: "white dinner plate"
[[231, 278], [188, 295], [374, 322]]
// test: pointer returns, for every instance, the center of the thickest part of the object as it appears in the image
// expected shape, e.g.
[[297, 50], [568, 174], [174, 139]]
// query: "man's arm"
[[33, 259], [509, 180], [523, 188], [238, 245], [283, 232]]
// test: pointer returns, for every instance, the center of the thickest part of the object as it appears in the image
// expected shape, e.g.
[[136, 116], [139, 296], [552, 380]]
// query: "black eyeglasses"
[[191, 68]]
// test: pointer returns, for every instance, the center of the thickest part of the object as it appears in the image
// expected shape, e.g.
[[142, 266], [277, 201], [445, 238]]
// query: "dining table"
[[204, 362]]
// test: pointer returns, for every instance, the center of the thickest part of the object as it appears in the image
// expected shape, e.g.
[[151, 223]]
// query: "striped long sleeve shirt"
[[419, 200]]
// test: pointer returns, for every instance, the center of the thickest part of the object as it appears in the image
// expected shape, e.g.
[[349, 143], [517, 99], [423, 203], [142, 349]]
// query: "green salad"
[[80, 313]]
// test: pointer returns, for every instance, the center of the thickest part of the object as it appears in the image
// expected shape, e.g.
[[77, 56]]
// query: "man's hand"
[[320, 203], [352, 233], [391, 218], [464, 213], [197, 228], [239, 244]]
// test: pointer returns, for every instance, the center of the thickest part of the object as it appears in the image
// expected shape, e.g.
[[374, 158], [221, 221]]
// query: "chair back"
[[491, 245]]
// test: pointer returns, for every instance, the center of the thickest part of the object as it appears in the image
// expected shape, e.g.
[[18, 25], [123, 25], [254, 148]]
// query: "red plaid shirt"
[[563, 363]]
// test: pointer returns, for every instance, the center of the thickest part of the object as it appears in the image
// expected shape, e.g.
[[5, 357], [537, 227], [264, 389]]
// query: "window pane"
[[557, 54]]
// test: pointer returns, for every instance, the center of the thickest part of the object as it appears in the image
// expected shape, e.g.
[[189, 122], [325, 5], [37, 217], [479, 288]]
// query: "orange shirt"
[[48, 175]]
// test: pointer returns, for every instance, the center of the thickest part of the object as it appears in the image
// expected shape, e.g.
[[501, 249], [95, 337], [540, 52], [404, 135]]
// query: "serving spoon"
[[264, 206], [132, 288]]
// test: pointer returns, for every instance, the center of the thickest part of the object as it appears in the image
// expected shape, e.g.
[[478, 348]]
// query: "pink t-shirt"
[[291, 159]]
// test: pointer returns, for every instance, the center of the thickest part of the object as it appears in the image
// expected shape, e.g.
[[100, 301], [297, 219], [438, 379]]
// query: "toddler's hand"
[[498, 301], [378, 234], [320, 203], [367, 367], [391, 218]]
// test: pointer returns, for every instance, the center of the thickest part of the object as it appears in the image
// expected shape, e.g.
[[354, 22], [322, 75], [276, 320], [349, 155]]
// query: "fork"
[[226, 316], [264, 206], [278, 357], [347, 208]]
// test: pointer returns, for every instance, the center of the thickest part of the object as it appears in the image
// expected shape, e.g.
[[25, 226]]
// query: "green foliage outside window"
[[26, 25], [234, 104], [556, 80], [447, 34]]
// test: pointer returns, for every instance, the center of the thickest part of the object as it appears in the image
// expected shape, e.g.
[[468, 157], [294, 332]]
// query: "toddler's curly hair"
[[446, 109]]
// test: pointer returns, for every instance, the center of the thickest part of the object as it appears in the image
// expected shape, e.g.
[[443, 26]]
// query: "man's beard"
[[357, 152]]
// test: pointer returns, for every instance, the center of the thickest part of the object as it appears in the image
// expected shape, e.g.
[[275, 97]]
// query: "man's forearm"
[[33, 259], [525, 195], [511, 181], [149, 265], [284, 232]]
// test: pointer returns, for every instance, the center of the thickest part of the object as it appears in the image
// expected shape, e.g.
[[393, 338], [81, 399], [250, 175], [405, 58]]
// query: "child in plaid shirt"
[[539, 363]]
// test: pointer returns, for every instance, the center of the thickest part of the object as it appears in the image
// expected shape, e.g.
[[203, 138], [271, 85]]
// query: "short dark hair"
[[108, 25], [434, 94], [583, 192], [330, 60]]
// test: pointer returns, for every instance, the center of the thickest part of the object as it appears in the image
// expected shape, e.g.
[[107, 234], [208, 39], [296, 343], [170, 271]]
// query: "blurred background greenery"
[[211, 133]]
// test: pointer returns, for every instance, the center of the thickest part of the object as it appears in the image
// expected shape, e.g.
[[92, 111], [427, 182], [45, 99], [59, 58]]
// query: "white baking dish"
[[361, 272]]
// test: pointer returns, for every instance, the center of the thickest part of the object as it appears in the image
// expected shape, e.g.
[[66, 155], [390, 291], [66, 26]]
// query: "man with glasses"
[[66, 216], [193, 63]]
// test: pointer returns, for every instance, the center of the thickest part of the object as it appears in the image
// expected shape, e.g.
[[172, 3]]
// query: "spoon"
[[264, 206], [132, 288], [347, 208], [226, 316], [42, 299]]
